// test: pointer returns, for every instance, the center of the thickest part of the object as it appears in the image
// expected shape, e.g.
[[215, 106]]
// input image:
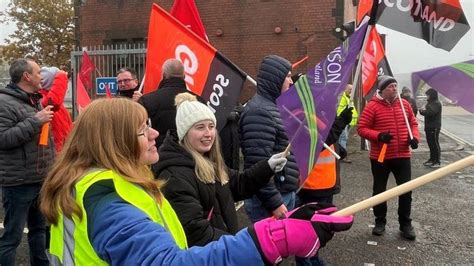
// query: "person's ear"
[[26, 76]]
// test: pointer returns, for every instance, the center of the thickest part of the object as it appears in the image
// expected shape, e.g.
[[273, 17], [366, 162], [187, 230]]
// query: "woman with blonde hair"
[[199, 186], [105, 207]]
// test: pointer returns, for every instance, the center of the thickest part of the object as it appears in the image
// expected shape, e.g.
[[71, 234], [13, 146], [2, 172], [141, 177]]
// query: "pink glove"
[[301, 234]]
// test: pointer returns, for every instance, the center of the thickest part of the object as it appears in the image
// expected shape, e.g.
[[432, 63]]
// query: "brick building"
[[243, 30]]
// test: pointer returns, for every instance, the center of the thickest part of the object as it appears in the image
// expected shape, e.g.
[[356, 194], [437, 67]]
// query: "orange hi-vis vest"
[[323, 175]]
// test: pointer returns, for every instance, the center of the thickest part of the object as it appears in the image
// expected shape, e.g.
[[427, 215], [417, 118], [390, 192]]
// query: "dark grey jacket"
[[22, 159], [262, 133], [432, 111]]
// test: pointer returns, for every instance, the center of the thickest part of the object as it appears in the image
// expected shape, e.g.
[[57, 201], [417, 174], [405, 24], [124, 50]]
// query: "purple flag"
[[308, 108], [455, 82]]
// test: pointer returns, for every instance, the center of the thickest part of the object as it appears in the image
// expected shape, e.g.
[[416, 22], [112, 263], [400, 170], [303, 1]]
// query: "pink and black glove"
[[301, 234]]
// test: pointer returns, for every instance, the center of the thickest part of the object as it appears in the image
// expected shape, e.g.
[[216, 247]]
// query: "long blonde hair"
[[104, 136], [209, 167]]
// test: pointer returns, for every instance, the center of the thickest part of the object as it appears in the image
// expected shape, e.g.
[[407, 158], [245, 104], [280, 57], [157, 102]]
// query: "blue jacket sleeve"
[[123, 235]]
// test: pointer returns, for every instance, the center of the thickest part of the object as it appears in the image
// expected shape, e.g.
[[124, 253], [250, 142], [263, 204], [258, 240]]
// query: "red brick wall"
[[247, 26]]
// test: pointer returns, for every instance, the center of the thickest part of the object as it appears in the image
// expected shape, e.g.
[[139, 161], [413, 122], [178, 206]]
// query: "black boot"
[[378, 230], [407, 232]]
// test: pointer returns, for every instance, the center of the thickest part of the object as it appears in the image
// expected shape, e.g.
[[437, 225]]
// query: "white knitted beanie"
[[189, 111]]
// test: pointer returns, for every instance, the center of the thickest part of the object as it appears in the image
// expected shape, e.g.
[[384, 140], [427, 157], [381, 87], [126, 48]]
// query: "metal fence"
[[108, 59]]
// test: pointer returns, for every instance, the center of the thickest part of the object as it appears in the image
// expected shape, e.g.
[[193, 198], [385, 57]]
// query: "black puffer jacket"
[[160, 105], [193, 200], [22, 160], [432, 111], [262, 133]]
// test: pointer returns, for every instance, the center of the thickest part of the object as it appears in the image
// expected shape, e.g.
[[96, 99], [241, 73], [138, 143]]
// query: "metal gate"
[[108, 59]]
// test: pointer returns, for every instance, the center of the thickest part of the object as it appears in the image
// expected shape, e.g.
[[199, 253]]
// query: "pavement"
[[442, 213]]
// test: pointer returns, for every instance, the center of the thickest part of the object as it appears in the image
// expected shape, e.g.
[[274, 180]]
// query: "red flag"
[[363, 9], [108, 93], [207, 72], [87, 67], [374, 63], [82, 98], [186, 12]]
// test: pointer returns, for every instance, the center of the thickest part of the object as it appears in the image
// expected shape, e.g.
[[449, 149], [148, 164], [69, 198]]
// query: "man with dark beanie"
[[382, 122], [262, 134]]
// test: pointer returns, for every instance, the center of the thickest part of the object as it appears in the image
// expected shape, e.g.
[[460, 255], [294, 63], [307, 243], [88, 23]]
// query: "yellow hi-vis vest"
[[70, 244], [323, 174]]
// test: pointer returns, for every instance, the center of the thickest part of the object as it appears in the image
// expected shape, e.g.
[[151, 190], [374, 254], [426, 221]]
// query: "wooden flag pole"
[[140, 89], [410, 133], [355, 83], [406, 187], [287, 150], [249, 78]]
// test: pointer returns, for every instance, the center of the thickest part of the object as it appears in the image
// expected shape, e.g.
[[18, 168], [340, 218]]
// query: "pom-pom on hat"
[[385, 80], [189, 111]]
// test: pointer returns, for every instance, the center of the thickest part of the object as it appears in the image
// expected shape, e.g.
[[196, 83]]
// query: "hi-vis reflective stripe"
[[323, 175], [69, 243], [328, 159]]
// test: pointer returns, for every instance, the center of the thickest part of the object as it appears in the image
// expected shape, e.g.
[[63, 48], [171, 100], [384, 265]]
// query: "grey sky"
[[408, 54], [405, 53], [5, 29]]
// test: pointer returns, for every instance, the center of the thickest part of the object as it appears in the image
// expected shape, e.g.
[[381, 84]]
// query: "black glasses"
[[124, 81], [145, 131]]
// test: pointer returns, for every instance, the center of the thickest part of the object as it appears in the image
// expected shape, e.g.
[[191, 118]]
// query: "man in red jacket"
[[382, 122]]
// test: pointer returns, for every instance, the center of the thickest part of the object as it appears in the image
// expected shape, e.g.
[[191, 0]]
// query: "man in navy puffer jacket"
[[262, 134]]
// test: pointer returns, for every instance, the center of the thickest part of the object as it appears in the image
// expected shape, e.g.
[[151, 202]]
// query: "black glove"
[[414, 143], [346, 115], [385, 137]]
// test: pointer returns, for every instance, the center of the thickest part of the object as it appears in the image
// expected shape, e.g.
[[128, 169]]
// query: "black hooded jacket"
[[432, 111], [262, 133], [193, 200]]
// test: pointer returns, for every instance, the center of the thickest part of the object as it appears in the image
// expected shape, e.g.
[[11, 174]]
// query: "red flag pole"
[[296, 64]]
